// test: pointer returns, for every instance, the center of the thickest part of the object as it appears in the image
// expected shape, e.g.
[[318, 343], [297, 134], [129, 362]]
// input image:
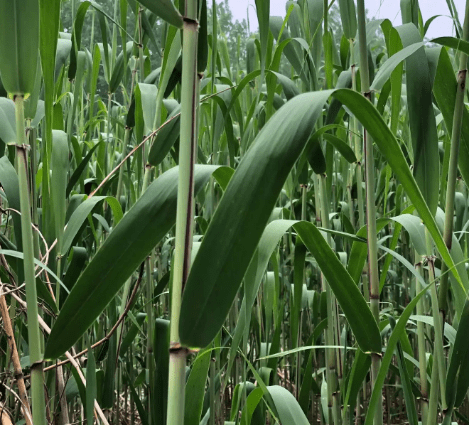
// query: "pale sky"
[[378, 9]]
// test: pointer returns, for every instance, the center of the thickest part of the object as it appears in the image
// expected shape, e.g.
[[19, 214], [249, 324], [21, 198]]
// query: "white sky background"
[[378, 9]]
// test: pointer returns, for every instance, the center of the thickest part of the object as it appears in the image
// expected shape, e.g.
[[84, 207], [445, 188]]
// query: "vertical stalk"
[[370, 202], [184, 212], [439, 360], [35, 354], [332, 371], [432, 410], [34, 206], [303, 217], [421, 347], [453, 164], [150, 335], [127, 133], [357, 144]]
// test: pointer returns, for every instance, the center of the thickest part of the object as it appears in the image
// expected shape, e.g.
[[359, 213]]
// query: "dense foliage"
[[206, 226]]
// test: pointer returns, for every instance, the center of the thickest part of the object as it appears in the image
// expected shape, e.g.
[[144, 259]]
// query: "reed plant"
[[201, 232]]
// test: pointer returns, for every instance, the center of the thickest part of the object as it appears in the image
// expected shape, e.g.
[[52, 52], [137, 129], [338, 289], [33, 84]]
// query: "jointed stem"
[[370, 201], [35, 354], [184, 212]]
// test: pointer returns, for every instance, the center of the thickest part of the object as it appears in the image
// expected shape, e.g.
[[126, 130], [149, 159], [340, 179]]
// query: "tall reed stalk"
[[453, 166], [184, 212], [34, 338], [374, 288]]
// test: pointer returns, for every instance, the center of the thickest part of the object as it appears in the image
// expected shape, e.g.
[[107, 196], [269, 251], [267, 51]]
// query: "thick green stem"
[[370, 200], [184, 212], [34, 343], [453, 165]]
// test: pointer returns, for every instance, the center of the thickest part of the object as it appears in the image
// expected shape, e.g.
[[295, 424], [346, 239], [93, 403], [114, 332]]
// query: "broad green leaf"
[[288, 409], [347, 293], [64, 47], [347, 11], [146, 97], [276, 25], [202, 44], [164, 9], [415, 228], [52, 50], [253, 188], [390, 149], [304, 394], [250, 56], [7, 123], [161, 349], [137, 233], [315, 18], [341, 146], [59, 168], [292, 124], [315, 156], [19, 45], [77, 37], [80, 168], [409, 11], [290, 89], [195, 387], [387, 68], [80, 215], [252, 402], [31, 103], [421, 118], [10, 184], [118, 71], [359, 370], [262, 12], [452, 42], [76, 263], [394, 45]]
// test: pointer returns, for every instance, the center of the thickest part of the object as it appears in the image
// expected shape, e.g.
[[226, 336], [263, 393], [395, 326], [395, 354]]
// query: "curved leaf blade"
[[138, 232], [164, 9]]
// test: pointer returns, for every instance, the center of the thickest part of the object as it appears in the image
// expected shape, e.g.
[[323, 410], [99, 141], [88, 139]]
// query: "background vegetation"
[[206, 226]]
